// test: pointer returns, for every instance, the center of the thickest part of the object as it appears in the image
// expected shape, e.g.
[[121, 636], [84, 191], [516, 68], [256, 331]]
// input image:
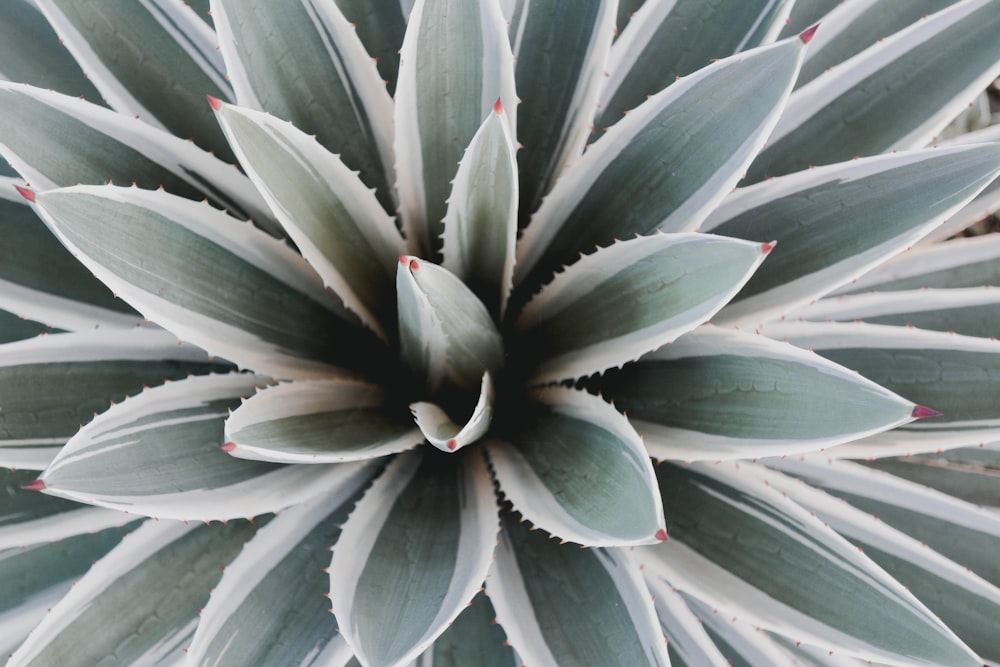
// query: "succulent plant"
[[495, 280]]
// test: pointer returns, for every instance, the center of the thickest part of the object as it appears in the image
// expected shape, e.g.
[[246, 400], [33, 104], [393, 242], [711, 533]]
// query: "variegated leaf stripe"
[[837, 222], [964, 601], [687, 640], [51, 385], [173, 564], [961, 262], [480, 227], [427, 526], [279, 321], [718, 394], [446, 89], [666, 166], [446, 333], [812, 130], [557, 99], [269, 47], [326, 421], [986, 202], [154, 59], [972, 311], [674, 38], [952, 374], [806, 13], [475, 638], [851, 27], [14, 328], [380, 26], [334, 219], [560, 604], [438, 428], [968, 473], [270, 606], [828, 591], [54, 140], [576, 468], [159, 454], [625, 300]]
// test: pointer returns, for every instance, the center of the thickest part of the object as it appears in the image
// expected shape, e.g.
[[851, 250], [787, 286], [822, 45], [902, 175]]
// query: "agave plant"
[[453, 288]]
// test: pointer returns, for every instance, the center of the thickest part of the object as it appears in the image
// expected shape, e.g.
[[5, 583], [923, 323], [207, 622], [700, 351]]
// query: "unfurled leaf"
[[439, 429]]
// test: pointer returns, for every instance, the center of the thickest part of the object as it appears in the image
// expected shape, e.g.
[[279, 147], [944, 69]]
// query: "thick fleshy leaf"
[[413, 554], [969, 473], [688, 643], [42, 281], [475, 638], [439, 429], [563, 605], [576, 468], [270, 606], [896, 94], [14, 328], [480, 228], [664, 167], [214, 280], [955, 375], [380, 26], [730, 537], [172, 564], [968, 604], [670, 39], [55, 141], [718, 393], [806, 13], [160, 454], [51, 385], [153, 60], [326, 421], [835, 223], [986, 203], [332, 217], [303, 62], [625, 300], [557, 94], [446, 333], [447, 87]]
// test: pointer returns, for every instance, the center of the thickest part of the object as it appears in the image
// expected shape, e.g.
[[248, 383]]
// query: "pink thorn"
[[661, 535], [402, 260], [27, 193], [807, 35], [498, 107], [452, 444], [214, 102], [414, 265], [767, 247], [37, 485], [228, 447], [921, 412]]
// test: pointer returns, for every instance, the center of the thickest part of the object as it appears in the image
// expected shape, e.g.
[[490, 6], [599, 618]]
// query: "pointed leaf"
[[159, 454], [688, 642], [214, 281], [14, 328], [412, 555], [445, 331], [335, 220], [327, 421], [51, 385], [717, 394], [837, 222], [380, 26], [173, 565], [580, 323], [475, 638], [152, 60], [446, 88], [560, 604], [270, 606], [896, 94], [969, 473], [439, 429], [731, 535], [273, 52], [575, 467], [480, 228], [667, 165]]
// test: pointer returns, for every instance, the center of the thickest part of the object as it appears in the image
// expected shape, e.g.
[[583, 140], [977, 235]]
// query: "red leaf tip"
[[661, 535], [806, 35], [452, 444], [37, 485], [767, 247], [498, 107], [414, 265], [214, 102], [27, 193], [922, 412], [228, 447]]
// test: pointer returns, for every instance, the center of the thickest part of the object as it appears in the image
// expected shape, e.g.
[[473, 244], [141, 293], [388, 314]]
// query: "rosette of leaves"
[[347, 363]]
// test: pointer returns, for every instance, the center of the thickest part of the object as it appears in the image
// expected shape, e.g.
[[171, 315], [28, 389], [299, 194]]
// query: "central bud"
[[448, 339]]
